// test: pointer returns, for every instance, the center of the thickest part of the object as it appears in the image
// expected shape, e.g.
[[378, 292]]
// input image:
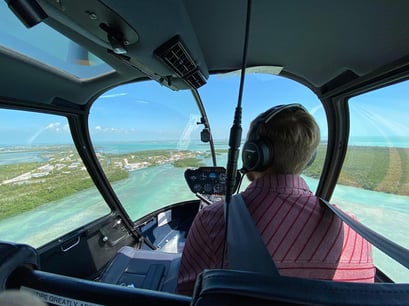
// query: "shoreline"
[[25, 186]]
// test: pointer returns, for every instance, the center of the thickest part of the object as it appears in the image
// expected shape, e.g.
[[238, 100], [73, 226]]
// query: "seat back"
[[14, 255], [229, 287], [143, 269]]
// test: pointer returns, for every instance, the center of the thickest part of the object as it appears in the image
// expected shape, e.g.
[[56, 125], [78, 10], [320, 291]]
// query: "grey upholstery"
[[143, 269]]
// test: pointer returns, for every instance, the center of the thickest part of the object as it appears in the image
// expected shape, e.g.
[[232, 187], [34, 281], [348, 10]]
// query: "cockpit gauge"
[[213, 175], [208, 188], [218, 188], [208, 180], [197, 188], [222, 177]]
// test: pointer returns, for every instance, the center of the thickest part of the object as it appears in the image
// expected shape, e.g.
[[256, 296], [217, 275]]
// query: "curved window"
[[374, 182], [149, 135], [45, 189]]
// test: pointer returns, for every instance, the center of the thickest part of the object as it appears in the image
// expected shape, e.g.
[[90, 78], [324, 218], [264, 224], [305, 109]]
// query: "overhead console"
[[171, 56]]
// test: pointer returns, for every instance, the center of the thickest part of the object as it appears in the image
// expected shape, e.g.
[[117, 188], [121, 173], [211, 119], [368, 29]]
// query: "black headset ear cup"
[[256, 155]]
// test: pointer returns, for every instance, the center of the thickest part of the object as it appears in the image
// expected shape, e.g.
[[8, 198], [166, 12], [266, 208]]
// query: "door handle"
[[65, 248]]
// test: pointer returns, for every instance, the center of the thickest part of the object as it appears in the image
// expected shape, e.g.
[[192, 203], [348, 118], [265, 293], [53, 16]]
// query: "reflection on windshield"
[[151, 135], [145, 137]]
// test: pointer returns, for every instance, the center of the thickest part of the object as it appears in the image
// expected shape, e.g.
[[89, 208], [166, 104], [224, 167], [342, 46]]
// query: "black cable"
[[241, 181], [235, 134], [236, 130]]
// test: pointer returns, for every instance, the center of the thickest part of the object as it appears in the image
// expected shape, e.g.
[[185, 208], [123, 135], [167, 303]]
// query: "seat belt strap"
[[395, 251], [245, 248]]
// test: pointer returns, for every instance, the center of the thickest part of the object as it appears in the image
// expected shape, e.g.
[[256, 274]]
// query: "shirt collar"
[[281, 183]]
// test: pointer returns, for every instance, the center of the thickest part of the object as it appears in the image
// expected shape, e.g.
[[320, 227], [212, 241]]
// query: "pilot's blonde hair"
[[294, 137]]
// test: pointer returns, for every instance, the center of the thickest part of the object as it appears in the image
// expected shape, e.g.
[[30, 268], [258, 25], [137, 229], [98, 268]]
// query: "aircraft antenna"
[[236, 130]]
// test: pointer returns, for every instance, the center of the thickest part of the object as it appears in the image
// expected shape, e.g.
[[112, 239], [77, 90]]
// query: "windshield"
[[145, 137], [152, 134]]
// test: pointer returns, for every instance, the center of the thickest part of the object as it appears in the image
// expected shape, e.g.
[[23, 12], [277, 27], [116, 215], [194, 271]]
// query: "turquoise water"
[[151, 188], [14, 157], [380, 141]]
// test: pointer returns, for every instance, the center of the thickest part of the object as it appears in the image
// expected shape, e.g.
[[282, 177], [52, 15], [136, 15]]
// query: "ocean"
[[23, 153], [385, 213]]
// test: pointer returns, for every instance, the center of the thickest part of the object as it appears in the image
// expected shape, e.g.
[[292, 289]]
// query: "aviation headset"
[[257, 154]]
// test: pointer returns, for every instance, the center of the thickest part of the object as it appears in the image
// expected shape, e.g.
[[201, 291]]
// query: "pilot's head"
[[282, 140]]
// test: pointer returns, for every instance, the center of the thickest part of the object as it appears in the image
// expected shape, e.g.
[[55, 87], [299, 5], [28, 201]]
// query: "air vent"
[[177, 57], [195, 79]]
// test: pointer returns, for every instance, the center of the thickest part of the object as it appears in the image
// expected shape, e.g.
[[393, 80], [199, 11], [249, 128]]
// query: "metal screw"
[[92, 15]]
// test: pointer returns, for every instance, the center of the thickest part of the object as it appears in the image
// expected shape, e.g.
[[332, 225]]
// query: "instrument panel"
[[208, 180]]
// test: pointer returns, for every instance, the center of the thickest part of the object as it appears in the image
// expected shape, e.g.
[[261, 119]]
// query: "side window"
[[374, 182], [45, 189]]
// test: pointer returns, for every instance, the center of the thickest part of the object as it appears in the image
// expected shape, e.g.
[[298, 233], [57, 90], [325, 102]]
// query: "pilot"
[[303, 238]]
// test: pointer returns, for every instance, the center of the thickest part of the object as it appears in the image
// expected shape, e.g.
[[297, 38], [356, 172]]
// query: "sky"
[[151, 112]]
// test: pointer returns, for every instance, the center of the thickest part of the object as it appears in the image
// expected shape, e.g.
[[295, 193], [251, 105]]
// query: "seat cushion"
[[147, 269]]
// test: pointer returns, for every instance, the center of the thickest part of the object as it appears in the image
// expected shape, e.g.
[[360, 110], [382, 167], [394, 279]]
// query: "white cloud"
[[101, 129], [53, 125], [113, 95]]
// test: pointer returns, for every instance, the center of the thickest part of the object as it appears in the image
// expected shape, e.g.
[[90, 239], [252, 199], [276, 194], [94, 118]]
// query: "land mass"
[[24, 186], [384, 169]]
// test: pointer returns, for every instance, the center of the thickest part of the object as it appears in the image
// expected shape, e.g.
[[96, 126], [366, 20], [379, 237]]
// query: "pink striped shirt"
[[304, 239]]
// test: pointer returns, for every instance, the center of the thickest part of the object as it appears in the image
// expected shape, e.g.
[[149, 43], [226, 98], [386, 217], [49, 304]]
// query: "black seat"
[[146, 269], [14, 255], [229, 287]]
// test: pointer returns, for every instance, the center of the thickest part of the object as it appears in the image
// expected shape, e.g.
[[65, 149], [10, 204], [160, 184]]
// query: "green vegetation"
[[25, 196], [372, 168], [27, 185], [13, 170], [189, 162], [315, 169]]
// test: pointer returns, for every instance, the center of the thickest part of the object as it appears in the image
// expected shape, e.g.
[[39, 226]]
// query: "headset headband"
[[257, 154], [270, 113]]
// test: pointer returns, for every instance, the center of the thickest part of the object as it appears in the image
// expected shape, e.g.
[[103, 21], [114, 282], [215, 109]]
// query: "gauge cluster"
[[207, 180]]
